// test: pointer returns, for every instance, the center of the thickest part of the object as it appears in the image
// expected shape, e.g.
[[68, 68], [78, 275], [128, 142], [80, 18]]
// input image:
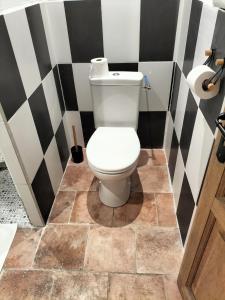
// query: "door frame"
[[214, 184], [17, 171]]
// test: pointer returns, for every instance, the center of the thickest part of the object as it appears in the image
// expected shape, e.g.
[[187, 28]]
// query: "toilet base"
[[115, 193]]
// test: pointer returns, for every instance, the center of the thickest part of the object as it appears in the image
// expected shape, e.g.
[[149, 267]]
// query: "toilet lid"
[[113, 149]]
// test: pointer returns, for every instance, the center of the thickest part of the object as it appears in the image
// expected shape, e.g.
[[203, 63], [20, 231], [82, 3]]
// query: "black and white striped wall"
[[190, 129], [45, 51]]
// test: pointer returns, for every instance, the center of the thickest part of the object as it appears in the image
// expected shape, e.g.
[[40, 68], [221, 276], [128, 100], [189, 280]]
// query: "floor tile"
[[78, 178], [152, 157], [110, 249], [80, 286], [23, 248], [166, 210], [151, 179], [133, 287], [62, 246], [171, 288], [89, 209], [62, 207], [158, 250], [17, 285], [140, 209]]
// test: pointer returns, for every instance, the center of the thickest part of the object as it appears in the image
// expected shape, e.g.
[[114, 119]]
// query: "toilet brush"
[[76, 150]]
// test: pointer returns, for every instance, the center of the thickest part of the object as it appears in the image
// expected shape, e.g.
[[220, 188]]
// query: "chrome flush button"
[[116, 74]]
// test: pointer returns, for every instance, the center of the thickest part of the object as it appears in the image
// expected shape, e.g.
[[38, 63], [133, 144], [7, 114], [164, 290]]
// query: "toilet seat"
[[113, 150]]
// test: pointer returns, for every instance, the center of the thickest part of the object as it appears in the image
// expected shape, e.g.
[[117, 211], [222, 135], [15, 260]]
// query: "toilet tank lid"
[[118, 78]]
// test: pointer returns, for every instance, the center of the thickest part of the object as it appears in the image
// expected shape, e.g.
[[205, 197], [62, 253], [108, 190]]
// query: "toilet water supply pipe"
[[147, 87]]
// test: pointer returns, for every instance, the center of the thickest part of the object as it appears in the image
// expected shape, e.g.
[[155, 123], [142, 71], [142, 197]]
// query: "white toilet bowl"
[[112, 154]]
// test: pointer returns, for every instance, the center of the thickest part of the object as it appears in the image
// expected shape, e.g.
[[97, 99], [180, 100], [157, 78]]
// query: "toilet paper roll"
[[197, 77], [99, 67]]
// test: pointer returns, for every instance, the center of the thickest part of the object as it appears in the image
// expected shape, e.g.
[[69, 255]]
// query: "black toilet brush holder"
[[76, 150]]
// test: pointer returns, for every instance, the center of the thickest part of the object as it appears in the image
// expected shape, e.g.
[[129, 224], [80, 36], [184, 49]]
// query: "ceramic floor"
[[90, 251]]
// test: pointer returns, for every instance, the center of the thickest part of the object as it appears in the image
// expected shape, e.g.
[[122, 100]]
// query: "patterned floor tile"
[[166, 210]]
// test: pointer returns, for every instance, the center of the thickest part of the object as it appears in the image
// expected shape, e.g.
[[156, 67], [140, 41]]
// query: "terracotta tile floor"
[[90, 251]]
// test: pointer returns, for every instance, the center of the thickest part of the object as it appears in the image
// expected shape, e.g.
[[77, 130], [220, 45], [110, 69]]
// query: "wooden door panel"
[[209, 281]]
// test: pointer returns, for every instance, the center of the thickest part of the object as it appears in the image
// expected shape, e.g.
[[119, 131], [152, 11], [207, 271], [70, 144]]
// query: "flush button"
[[116, 74]]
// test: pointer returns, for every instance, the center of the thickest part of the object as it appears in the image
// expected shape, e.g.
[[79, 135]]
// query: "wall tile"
[[185, 208], [20, 37], [181, 106], [121, 33], [178, 177], [175, 91], [59, 33], [84, 24], [155, 27], [83, 91], [52, 100], [73, 118], [61, 141], [219, 35], [129, 67], [67, 81], [59, 89], [54, 165], [160, 75], [151, 127], [188, 125], [199, 152], [194, 22], [41, 117], [36, 25], [168, 135], [204, 41], [173, 155], [44, 195], [11, 98], [88, 125], [26, 138]]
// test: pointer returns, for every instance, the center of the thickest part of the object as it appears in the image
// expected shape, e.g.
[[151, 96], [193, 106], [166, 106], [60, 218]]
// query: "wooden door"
[[202, 273]]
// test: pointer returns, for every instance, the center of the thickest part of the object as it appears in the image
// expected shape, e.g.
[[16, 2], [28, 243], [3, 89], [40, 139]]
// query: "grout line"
[[38, 244], [69, 221], [86, 247]]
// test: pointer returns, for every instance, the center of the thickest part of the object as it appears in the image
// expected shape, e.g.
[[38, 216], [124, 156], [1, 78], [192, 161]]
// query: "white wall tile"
[[178, 177], [182, 31], [83, 91], [199, 152], [168, 135], [52, 100], [205, 33], [58, 31], [160, 75], [71, 118], [121, 27], [48, 33], [181, 106], [26, 138], [54, 165], [20, 37]]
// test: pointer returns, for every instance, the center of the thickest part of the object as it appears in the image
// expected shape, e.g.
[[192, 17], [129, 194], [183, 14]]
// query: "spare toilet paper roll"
[[197, 77], [99, 67], [219, 3]]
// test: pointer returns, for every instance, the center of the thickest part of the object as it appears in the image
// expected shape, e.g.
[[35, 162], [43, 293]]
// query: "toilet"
[[113, 149]]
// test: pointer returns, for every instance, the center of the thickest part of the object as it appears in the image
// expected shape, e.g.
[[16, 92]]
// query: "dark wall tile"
[[12, 93], [68, 86], [59, 89], [84, 22], [158, 29], [188, 126], [41, 117], [129, 67], [62, 145], [194, 22], [175, 91], [173, 155], [219, 35], [185, 208], [43, 190], [88, 124], [39, 39], [151, 127]]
